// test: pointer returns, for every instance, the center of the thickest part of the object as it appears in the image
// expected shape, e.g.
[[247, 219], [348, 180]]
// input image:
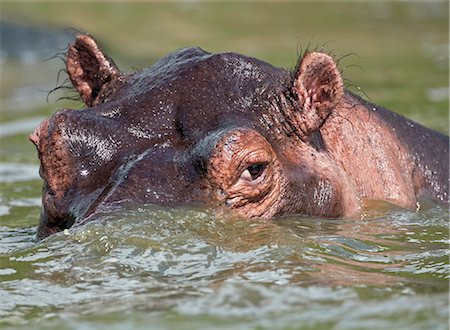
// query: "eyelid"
[[233, 153], [256, 156]]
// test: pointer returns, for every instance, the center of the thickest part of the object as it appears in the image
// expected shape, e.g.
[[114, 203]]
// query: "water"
[[170, 268]]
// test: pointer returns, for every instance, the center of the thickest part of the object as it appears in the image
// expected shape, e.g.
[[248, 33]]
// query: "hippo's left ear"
[[319, 88], [92, 73]]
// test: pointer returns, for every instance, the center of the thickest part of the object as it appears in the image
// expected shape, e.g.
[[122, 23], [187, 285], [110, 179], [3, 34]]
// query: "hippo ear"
[[319, 88], [92, 73]]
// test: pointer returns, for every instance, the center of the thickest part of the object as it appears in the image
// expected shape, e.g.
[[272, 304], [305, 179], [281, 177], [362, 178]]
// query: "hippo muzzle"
[[85, 168]]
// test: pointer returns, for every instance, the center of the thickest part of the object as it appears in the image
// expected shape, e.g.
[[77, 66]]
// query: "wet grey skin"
[[228, 131]]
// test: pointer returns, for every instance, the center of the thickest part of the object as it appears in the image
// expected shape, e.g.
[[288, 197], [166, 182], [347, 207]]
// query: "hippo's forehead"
[[192, 92], [190, 70]]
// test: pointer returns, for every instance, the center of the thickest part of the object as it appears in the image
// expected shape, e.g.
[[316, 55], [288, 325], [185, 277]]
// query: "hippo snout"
[[54, 153]]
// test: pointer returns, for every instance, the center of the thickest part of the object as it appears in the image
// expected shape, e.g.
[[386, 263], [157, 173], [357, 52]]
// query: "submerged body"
[[226, 129]]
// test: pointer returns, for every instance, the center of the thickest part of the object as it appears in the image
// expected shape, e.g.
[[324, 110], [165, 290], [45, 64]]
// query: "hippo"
[[228, 131]]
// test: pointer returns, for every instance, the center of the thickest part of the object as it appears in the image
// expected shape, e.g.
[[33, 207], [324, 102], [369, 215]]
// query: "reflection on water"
[[20, 126], [172, 267], [12, 172]]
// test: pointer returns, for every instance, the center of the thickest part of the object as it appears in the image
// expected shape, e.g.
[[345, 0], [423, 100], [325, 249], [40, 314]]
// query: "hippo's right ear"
[[92, 73], [319, 88]]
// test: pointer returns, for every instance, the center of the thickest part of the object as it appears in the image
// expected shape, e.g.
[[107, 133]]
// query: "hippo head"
[[194, 128]]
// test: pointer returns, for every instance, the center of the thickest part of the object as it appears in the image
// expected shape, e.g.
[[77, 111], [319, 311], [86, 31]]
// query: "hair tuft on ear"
[[91, 72], [319, 81], [318, 89]]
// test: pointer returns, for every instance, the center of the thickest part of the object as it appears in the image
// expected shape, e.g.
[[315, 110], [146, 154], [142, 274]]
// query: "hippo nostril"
[[34, 138]]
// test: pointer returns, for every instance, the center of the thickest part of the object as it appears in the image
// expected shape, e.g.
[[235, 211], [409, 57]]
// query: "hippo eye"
[[253, 172]]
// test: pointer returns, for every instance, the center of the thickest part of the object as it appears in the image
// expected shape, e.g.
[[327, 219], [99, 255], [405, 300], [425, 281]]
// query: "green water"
[[174, 268], [179, 268]]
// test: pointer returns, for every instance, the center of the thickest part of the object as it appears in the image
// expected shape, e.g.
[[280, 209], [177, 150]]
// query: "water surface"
[[170, 268]]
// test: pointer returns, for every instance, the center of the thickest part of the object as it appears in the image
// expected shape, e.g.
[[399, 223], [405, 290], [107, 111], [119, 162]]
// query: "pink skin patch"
[[39, 131]]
